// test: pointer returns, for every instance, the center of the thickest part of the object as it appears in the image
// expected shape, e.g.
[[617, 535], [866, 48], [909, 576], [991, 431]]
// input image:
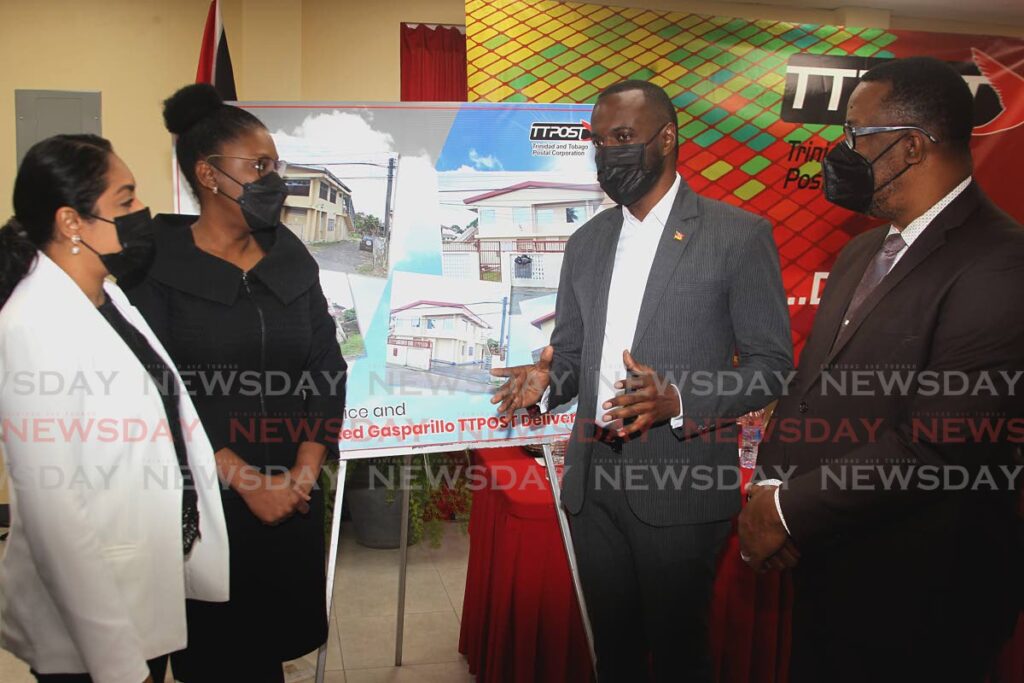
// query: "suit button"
[[802, 407]]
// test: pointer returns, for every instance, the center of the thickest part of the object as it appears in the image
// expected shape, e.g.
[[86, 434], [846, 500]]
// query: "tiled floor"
[[362, 650]]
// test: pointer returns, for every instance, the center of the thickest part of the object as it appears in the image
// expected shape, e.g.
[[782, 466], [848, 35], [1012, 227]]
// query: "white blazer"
[[94, 578]]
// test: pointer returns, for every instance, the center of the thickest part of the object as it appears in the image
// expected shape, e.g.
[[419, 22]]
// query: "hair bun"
[[188, 106]]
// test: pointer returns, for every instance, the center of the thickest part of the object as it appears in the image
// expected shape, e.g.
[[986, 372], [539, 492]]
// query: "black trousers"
[[157, 669], [899, 631], [648, 588], [226, 659]]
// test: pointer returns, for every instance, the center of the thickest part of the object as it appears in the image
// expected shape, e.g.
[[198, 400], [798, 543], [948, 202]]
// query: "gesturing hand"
[[526, 383], [647, 397]]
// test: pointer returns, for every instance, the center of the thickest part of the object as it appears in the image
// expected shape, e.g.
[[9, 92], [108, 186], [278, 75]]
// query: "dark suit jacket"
[[714, 292], [951, 309]]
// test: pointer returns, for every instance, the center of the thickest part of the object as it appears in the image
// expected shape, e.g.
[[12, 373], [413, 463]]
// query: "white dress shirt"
[[918, 225], [909, 233], [634, 255]]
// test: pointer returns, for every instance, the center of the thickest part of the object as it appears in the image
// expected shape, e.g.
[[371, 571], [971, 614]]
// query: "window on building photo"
[[325, 191], [545, 216], [334, 196], [521, 217], [576, 214], [297, 187], [449, 324], [488, 216]]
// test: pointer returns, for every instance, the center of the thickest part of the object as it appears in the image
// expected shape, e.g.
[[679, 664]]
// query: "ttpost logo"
[[819, 86], [560, 132]]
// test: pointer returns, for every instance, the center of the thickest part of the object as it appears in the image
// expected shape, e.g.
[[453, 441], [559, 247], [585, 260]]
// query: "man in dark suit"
[[903, 423], [656, 296]]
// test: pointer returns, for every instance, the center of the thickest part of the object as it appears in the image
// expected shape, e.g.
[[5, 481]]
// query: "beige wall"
[[791, 10], [137, 52], [134, 51], [351, 51]]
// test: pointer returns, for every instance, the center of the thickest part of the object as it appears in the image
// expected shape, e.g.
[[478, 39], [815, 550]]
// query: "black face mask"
[[850, 178], [622, 173], [135, 233], [261, 200]]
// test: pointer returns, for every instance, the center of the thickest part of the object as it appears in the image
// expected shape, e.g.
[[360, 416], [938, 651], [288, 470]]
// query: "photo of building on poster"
[[517, 236], [342, 177], [444, 334]]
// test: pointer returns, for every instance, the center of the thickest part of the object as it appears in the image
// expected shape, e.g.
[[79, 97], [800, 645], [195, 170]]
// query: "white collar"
[[660, 211], [918, 225]]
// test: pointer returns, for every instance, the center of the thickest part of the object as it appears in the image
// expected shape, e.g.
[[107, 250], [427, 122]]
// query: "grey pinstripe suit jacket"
[[715, 292]]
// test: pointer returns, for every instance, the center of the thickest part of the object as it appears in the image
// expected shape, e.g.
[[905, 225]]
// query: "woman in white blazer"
[[114, 491]]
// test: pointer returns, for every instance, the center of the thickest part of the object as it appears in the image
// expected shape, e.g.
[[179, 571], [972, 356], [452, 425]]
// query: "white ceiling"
[[969, 10], [1007, 12]]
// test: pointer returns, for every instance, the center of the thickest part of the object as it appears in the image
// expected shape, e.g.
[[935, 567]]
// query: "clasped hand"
[[764, 543], [277, 497]]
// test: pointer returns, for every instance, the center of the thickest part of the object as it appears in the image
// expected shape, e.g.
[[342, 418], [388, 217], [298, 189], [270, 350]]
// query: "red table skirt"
[[520, 622]]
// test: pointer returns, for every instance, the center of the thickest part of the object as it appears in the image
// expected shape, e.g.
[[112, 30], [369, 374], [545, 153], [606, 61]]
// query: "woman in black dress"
[[236, 299]]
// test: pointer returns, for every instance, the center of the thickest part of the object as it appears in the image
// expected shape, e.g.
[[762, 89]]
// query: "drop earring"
[[75, 239], [215, 189]]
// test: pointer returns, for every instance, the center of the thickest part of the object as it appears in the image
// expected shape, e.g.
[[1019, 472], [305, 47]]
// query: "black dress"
[[259, 355]]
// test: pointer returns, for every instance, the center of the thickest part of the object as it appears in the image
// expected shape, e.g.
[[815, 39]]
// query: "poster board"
[[439, 230]]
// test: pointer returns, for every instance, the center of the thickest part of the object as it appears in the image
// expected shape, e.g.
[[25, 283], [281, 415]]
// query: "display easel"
[[332, 550], [332, 563], [570, 551], [406, 455]]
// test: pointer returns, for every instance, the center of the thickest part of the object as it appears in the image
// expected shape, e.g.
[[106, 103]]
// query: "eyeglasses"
[[853, 132], [263, 165]]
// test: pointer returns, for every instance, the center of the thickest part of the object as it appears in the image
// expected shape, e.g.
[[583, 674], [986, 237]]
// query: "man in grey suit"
[[656, 297]]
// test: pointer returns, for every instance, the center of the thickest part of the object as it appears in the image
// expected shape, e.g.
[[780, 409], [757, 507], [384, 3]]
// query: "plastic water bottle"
[[750, 437]]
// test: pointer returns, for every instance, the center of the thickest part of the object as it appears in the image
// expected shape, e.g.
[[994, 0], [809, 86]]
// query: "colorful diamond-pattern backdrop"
[[726, 77]]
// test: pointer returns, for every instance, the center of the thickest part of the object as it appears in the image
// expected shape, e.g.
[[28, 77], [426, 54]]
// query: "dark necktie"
[[879, 267]]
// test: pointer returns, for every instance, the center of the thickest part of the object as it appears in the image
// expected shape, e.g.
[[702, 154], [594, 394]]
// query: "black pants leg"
[[648, 588], [676, 567], [611, 589], [157, 669]]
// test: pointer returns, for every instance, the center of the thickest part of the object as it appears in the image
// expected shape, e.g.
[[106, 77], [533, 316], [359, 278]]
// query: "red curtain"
[[433, 64]]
